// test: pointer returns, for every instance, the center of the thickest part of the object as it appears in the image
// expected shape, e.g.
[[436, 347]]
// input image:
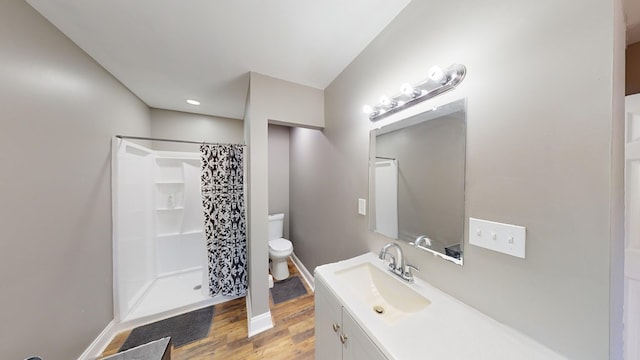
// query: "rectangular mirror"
[[417, 180]]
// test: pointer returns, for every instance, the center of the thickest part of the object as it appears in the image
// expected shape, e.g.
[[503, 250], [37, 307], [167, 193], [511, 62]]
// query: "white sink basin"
[[418, 320], [381, 293]]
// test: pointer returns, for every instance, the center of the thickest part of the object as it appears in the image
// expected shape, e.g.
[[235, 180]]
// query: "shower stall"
[[159, 251]]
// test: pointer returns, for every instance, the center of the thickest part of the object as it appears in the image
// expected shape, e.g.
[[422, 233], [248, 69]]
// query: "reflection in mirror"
[[417, 177]]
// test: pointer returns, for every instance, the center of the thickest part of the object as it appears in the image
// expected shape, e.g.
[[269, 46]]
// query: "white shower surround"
[[158, 247]]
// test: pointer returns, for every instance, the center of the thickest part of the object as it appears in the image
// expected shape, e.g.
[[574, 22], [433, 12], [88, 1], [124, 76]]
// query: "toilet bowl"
[[279, 248]]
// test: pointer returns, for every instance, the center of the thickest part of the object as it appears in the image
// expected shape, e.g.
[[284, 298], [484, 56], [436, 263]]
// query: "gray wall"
[[58, 110], [279, 173], [270, 100], [168, 124], [541, 135]]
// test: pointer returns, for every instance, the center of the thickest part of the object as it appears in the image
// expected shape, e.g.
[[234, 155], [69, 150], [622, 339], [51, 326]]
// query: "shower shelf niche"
[[170, 195], [177, 195]]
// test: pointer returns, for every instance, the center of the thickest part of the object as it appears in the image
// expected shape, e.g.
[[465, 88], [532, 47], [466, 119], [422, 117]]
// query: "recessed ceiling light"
[[193, 102]]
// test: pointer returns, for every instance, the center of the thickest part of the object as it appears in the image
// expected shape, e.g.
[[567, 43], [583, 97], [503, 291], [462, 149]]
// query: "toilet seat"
[[280, 245]]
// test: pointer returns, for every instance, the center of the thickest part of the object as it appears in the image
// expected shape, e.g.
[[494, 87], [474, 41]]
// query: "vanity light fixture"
[[387, 103], [193, 102], [438, 82]]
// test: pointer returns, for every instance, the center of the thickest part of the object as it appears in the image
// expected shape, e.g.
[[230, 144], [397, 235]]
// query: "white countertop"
[[445, 329]]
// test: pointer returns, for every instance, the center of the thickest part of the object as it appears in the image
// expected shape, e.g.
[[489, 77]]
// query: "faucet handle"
[[409, 267], [392, 262]]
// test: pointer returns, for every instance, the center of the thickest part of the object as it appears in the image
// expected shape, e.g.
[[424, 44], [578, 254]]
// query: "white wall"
[[133, 222], [543, 152], [58, 110]]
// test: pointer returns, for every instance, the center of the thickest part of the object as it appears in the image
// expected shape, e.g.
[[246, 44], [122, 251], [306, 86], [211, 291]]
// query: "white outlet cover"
[[362, 206], [504, 238]]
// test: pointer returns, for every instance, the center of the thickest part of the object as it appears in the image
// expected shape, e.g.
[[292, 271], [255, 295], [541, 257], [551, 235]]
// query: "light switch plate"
[[362, 206], [504, 238]]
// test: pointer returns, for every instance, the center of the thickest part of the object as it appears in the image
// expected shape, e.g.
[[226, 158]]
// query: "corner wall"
[[269, 100], [541, 152], [59, 110]]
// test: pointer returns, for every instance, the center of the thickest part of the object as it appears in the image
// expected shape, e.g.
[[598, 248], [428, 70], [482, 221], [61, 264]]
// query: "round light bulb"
[[407, 89], [387, 102], [410, 91], [436, 74], [367, 109]]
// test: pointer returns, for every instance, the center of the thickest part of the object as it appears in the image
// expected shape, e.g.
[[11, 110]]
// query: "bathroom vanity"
[[338, 335], [365, 312]]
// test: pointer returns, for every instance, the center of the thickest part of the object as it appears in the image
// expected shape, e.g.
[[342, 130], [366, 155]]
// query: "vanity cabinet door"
[[328, 324], [357, 345]]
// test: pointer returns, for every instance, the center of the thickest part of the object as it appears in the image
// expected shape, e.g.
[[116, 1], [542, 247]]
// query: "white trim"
[[179, 272], [306, 275], [136, 300], [115, 274], [96, 348], [259, 323]]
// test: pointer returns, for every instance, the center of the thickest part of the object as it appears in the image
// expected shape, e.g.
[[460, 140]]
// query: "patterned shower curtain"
[[222, 182]]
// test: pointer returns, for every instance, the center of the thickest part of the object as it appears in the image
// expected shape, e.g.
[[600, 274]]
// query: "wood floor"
[[292, 336]]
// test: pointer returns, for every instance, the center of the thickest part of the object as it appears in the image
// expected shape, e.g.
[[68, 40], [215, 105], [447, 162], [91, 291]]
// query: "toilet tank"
[[276, 226]]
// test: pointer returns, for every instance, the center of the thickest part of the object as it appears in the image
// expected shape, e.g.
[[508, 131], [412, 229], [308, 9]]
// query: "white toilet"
[[279, 248]]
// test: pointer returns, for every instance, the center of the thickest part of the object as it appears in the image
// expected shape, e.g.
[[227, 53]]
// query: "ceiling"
[[168, 51]]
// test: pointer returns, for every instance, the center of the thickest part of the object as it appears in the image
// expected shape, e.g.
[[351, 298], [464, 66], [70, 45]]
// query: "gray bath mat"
[[157, 350], [182, 329], [287, 289]]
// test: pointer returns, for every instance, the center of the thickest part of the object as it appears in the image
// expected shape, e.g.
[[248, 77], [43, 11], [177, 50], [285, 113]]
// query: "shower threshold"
[[172, 295]]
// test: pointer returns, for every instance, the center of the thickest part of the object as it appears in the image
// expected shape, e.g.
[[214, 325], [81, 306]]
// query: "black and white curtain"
[[222, 182]]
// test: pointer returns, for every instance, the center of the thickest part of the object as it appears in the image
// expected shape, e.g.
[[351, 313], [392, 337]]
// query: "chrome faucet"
[[421, 239], [399, 267], [393, 264]]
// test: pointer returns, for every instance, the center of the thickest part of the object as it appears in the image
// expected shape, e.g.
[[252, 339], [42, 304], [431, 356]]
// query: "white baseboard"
[[259, 323], [306, 275], [96, 348]]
